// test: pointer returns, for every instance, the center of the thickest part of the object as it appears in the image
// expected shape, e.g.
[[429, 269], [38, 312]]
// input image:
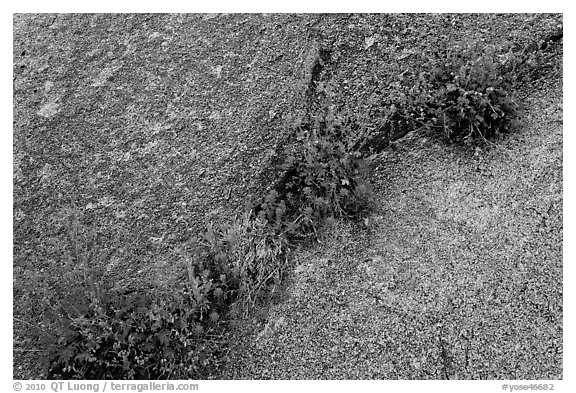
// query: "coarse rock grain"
[[457, 275], [369, 51], [144, 126], [131, 130], [135, 129]]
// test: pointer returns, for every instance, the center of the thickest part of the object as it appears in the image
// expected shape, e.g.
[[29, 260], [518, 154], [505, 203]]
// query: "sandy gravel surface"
[[457, 275]]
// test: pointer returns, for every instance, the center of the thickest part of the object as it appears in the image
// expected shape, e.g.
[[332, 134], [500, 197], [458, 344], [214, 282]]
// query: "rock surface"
[[458, 275], [144, 126], [137, 128], [131, 130]]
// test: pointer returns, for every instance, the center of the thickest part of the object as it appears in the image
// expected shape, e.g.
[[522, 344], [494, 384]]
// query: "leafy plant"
[[326, 180], [148, 332], [464, 92], [323, 177], [470, 94], [138, 335]]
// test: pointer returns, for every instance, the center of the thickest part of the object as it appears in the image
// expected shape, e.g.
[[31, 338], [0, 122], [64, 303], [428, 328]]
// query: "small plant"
[[322, 178], [326, 180], [465, 93], [469, 94], [149, 332], [244, 257], [137, 335], [96, 329]]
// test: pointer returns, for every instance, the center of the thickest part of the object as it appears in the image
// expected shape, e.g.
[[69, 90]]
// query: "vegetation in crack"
[[173, 330], [466, 93]]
